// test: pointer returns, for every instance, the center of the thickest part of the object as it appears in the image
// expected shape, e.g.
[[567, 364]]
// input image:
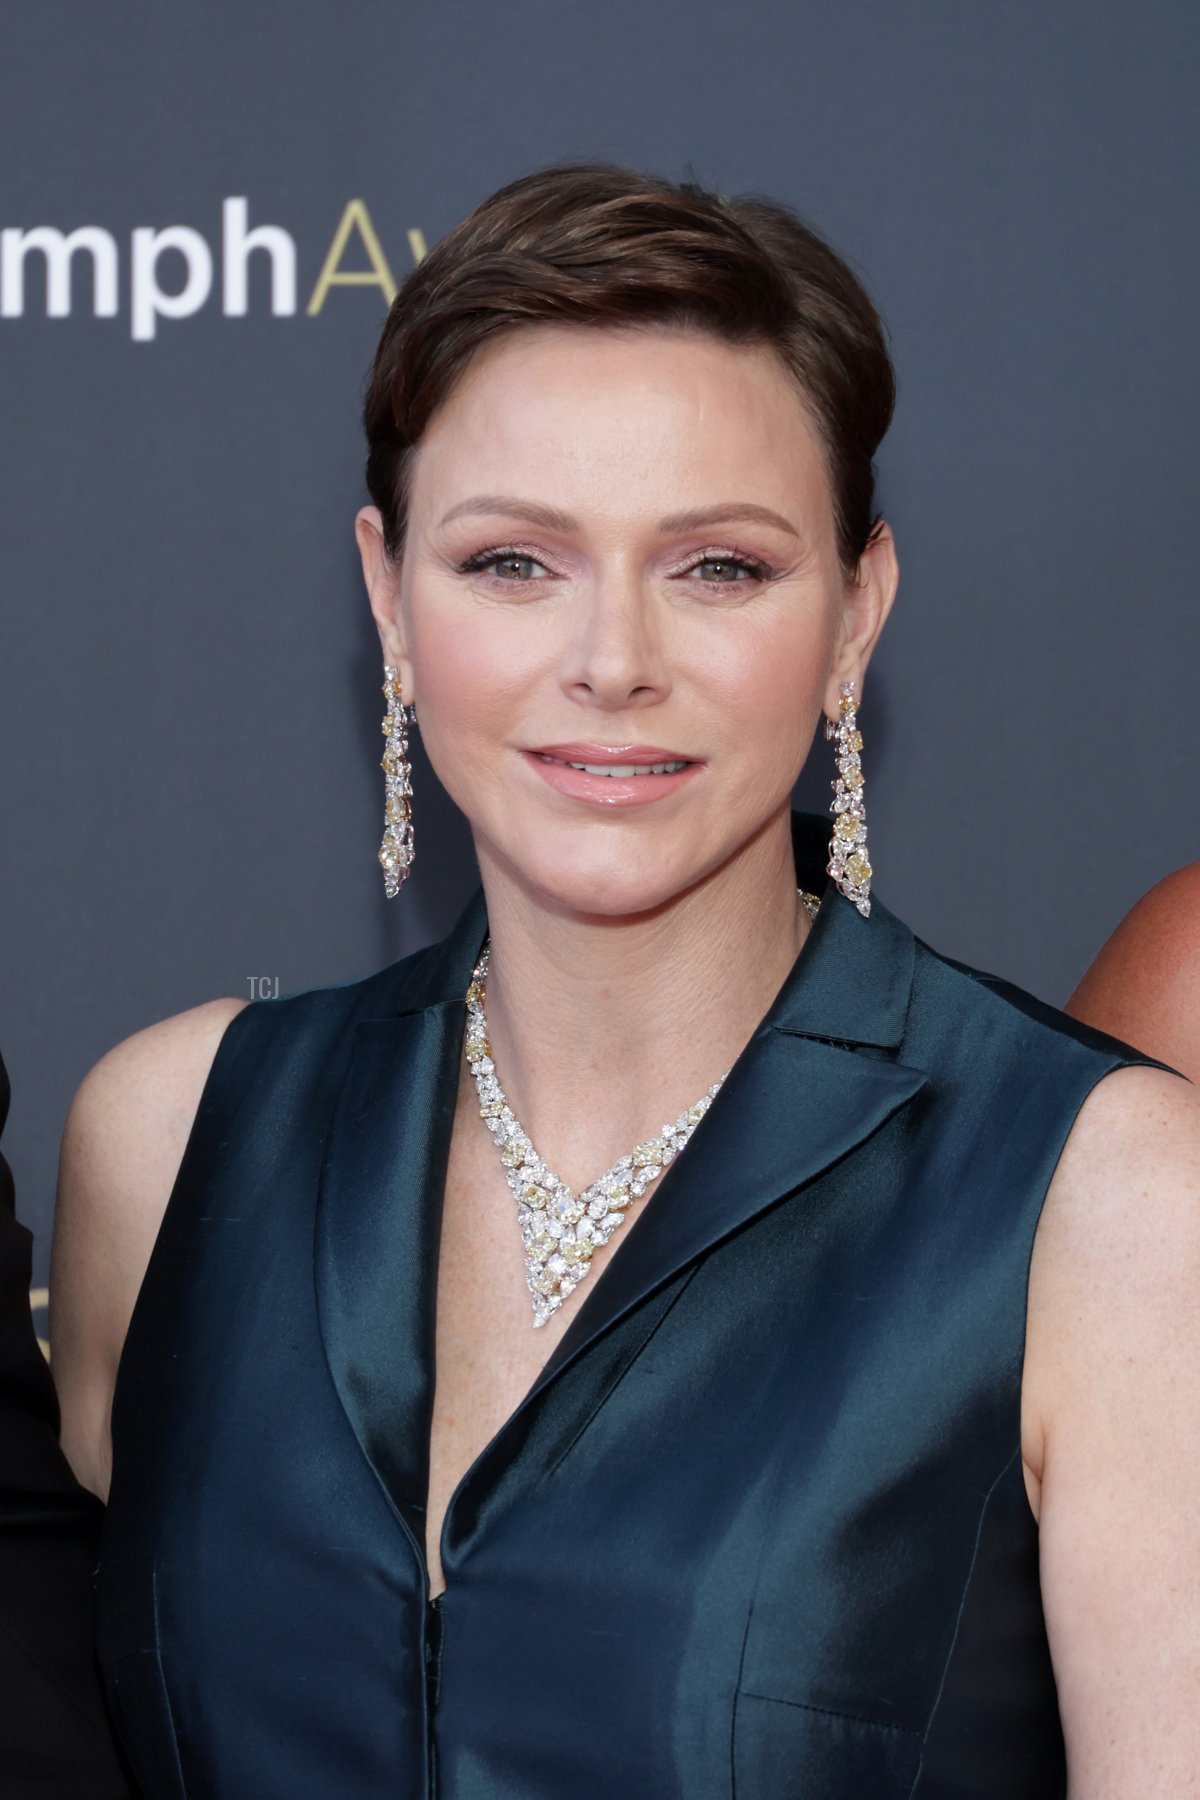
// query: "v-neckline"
[[798, 1098]]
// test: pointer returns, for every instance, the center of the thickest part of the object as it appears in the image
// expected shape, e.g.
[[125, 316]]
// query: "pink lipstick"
[[613, 774]]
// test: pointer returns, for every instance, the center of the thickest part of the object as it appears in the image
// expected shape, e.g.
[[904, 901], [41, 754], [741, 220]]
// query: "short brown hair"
[[593, 243]]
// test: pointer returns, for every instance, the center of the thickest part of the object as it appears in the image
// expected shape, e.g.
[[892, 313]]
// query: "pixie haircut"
[[596, 244]]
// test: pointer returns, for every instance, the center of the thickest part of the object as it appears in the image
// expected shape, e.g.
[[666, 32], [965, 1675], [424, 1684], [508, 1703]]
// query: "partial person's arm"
[[55, 1736], [1144, 985], [1115, 1311], [122, 1146]]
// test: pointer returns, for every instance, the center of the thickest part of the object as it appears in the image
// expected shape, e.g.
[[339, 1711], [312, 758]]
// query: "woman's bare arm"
[[122, 1145], [1115, 1329]]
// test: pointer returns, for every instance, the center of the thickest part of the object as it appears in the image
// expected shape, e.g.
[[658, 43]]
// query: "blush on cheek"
[[776, 695], [464, 658], [468, 715]]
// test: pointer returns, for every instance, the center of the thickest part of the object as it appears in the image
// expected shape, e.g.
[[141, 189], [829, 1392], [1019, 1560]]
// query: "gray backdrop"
[[189, 685]]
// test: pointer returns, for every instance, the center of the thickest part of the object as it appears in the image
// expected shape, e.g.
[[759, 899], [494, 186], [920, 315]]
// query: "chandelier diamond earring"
[[396, 850], [848, 865]]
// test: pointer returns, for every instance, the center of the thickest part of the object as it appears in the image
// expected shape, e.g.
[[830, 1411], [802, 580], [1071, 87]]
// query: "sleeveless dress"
[[758, 1531]]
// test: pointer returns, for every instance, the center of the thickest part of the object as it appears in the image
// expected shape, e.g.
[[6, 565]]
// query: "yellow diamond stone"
[[578, 1252], [854, 740], [847, 703], [477, 1047], [475, 993], [618, 1198], [847, 825], [397, 809], [853, 779], [647, 1156], [491, 1109], [858, 868], [534, 1196], [545, 1284]]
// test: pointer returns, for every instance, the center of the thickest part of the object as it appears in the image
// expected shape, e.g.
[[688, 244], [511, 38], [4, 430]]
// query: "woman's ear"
[[383, 590], [866, 603]]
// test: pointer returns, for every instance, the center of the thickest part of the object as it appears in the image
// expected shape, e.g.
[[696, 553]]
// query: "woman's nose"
[[615, 655]]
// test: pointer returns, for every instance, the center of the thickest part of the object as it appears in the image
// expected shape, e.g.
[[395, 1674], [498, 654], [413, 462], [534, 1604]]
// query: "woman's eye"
[[501, 559], [513, 567], [756, 570]]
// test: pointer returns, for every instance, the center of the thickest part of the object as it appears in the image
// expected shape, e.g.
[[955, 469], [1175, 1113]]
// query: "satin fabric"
[[758, 1530]]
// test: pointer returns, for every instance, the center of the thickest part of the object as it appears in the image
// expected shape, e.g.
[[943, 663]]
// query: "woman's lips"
[[618, 789]]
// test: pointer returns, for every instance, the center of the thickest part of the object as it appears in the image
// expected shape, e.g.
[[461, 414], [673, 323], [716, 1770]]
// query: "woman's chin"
[[599, 890], [621, 900]]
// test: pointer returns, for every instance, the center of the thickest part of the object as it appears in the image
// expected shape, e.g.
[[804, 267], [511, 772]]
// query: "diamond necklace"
[[560, 1229]]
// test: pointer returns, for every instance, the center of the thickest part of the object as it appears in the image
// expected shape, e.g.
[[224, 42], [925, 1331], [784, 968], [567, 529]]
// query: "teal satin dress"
[[759, 1530]]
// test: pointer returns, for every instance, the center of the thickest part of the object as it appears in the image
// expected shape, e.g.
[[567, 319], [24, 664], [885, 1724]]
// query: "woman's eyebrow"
[[554, 520]]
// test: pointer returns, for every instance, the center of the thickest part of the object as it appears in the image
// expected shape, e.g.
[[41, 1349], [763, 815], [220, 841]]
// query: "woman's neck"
[[601, 1032]]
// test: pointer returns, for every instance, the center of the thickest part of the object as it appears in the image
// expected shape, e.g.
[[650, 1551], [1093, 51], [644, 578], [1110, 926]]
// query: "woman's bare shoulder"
[[1125, 1184], [122, 1144], [1122, 1207], [1115, 1332], [131, 1115], [152, 1080]]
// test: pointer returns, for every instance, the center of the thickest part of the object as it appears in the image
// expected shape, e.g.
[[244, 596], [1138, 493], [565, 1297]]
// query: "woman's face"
[[621, 552]]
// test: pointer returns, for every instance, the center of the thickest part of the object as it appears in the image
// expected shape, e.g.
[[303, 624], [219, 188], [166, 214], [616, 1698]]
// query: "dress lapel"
[[379, 1207], [817, 1078]]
